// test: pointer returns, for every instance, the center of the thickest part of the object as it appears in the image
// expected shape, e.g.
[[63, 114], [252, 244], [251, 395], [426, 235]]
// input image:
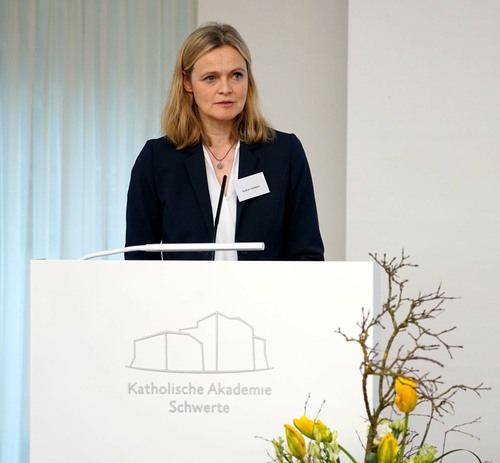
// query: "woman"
[[213, 128]]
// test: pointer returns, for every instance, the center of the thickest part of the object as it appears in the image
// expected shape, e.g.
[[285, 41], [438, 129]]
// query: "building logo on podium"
[[216, 344]]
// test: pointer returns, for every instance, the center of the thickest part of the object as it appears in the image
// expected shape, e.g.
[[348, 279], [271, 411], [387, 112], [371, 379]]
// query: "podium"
[[183, 362]]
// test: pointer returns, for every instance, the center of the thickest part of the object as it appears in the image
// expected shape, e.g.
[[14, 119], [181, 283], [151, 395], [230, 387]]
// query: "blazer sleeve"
[[302, 234], [144, 216]]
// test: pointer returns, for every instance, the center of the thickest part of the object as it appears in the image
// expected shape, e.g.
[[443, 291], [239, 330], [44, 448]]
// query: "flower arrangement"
[[397, 365]]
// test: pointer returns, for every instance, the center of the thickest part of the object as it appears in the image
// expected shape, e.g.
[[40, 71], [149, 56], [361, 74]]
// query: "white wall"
[[424, 170], [299, 59]]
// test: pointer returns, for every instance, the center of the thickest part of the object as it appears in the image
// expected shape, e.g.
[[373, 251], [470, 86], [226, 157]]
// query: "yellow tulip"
[[305, 426], [316, 430], [295, 441], [388, 449], [406, 395], [321, 432]]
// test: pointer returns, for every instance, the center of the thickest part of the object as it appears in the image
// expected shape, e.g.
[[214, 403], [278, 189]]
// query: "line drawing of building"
[[215, 344]]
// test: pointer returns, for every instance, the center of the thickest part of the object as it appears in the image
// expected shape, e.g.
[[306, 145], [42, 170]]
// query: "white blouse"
[[227, 222]]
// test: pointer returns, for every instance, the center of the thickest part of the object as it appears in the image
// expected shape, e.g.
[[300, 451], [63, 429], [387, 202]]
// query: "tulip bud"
[[321, 432], [406, 394], [295, 441], [388, 449], [305, 426]]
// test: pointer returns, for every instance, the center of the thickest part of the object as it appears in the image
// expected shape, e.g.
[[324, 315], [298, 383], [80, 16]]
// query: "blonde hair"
[[180, 120]]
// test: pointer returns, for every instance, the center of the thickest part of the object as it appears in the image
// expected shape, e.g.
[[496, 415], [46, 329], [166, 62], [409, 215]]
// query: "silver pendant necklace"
[[220, 166]]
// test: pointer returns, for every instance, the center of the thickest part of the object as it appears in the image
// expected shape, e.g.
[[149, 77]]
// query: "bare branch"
[[410, 345]]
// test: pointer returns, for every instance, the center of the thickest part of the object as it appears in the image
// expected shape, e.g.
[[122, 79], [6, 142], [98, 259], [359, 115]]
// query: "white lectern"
[[183, 362]]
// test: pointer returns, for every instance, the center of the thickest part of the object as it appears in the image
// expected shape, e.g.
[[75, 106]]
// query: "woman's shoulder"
[[283, 142], [284, 136], [159, 153], [163, 150], [279, 139], [161, 143]]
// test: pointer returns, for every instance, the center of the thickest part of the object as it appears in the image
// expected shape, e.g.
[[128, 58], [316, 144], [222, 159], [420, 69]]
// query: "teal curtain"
[[82, 86]]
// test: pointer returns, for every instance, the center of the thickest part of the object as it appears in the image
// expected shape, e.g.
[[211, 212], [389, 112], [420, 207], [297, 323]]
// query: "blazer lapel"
[[195, 165], [248, 166]]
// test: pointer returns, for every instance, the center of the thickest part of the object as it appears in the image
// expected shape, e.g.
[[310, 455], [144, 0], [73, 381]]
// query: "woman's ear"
[[187, 84]]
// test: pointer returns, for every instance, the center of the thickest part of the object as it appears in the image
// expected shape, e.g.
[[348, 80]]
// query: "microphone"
[[217, 214]]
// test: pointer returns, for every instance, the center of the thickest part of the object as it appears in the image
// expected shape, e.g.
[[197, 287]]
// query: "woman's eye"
[[209, 78], [238, 75]]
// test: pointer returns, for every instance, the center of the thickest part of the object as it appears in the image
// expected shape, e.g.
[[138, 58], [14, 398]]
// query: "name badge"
[[251, 186]]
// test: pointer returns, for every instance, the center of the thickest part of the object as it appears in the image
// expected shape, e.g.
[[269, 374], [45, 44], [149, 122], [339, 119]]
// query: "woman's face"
[[219, 84]]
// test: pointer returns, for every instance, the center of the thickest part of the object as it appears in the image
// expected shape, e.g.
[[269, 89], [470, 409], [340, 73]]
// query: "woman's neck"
[[218, 135]]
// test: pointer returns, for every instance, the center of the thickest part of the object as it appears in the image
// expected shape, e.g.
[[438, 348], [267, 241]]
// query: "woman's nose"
[[225, 87]]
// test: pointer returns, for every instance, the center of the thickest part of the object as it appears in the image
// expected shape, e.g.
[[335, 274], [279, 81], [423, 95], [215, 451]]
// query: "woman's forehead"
[[223, 57]]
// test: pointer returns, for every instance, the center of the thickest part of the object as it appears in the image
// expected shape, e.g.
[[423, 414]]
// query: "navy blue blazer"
[[168, 201]]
